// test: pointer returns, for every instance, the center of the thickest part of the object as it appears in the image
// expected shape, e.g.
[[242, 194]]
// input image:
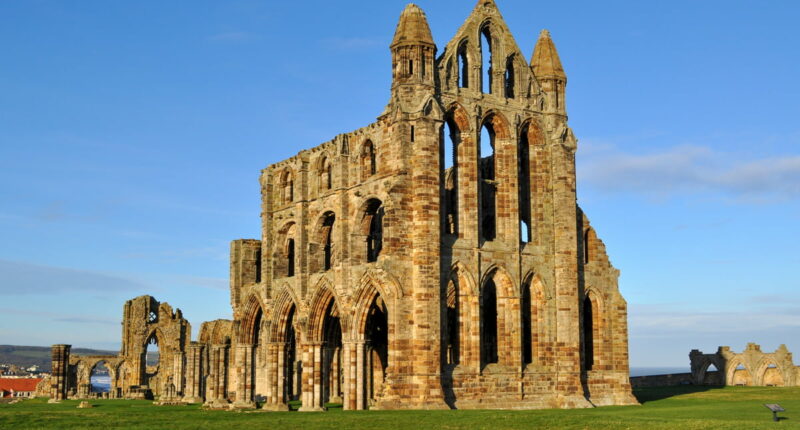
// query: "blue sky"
[[132, 135]]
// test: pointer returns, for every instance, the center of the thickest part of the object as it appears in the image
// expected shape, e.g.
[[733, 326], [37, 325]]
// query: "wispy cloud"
[[212, 283], [18, 278], [691, 169], [351, 43], [231, 36], [59, 317], [667, 320], [218, 253]]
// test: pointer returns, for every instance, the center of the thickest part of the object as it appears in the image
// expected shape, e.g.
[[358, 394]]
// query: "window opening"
[[588, 333], [488, 185], [449, 150], [489, 323], [527, 346], [486, 59], [328, 244], [463, 67], [290, 258], [509, 78], [523, 156], [374, 217]]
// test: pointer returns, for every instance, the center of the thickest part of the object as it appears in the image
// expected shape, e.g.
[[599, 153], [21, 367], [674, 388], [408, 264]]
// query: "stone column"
[[348, 390], [312, 384], [216, 396], [60, 368], [244, 383], [335, 375], [276, 400], [193, 392], [360, 370]]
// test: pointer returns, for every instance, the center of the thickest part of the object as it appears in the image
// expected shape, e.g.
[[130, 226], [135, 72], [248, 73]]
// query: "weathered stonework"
[[408, 265], [145, 321], [752, 367], [388, 277]]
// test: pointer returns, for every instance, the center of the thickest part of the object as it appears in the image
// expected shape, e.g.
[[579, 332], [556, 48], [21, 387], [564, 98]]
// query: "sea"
[[647, 371], [101, 383]]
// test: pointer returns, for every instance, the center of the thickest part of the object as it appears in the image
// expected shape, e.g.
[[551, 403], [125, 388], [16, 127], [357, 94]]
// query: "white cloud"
[[18, 278], [690, 169]]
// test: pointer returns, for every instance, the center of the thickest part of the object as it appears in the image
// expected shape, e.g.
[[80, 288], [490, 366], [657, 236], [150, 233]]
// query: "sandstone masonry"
[[436, 258]]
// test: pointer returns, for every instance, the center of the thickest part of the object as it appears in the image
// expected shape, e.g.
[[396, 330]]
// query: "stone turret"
[[550, 73], [413, 52]]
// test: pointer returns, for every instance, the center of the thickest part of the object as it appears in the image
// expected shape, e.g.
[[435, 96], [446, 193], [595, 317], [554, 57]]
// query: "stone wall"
[[667, 380]]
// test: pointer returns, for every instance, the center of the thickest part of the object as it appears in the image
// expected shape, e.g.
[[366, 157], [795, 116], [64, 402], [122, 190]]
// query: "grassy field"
[[682, 408]]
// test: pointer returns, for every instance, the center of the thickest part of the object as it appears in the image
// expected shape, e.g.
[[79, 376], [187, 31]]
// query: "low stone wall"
[[662, 380]]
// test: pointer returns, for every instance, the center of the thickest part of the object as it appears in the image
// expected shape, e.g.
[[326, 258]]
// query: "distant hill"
[[27, 356]]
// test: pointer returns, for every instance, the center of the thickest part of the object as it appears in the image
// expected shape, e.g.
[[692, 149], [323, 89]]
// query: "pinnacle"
[[545, 60], [412, 28]]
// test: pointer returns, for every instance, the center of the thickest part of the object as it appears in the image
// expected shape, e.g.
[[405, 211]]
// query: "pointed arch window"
[[523, 155], [327, 234], [527, 330], [325, 175], [450, 137], [373, 224], [463, 66], [488, 317], [488, 185], [486, 59], [368, 160], [290, 257], [589, 328], [287, 187], [586, 242], [509, 78], [452, 322]]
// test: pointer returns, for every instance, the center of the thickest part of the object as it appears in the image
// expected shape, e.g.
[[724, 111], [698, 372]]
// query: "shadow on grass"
[[650, 394]]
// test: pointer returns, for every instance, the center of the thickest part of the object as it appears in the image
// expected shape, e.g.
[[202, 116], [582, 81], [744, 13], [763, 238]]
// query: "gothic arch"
[[373, 285], [286, 302], [253, 314], [506, 283], [460, 269], [324, 294], [500, 125], [734, 376], [460, 117], [322, 242], [760, 376]]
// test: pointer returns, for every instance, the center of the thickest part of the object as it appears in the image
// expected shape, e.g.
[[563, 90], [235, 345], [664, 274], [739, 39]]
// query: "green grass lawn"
[[682, 408]]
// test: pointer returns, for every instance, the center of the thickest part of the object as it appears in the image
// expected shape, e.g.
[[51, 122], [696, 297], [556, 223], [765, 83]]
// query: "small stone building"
[[436, 258]]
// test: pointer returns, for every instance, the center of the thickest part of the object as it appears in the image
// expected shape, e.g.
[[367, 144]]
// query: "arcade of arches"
[[436, 258], [751, 367]]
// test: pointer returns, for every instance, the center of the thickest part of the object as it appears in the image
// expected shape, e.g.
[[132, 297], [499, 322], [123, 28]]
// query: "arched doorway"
[[741, 376], [332, 371], [712, 375], [100, 378], [292, 364], [376, 334], [151, 363], [772, 376]]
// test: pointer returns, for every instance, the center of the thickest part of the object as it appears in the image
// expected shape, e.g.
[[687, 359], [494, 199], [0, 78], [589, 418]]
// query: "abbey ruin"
[[436, 258], [751, 367]]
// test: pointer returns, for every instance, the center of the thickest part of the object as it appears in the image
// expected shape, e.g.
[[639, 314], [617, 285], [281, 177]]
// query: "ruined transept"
[[436, 258]]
